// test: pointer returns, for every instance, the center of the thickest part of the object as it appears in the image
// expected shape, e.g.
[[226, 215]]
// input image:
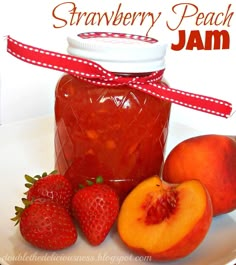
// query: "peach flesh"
[[177, 231]]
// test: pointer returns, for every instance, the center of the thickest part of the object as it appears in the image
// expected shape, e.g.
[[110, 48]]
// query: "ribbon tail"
[[194, 101], [73, 65]]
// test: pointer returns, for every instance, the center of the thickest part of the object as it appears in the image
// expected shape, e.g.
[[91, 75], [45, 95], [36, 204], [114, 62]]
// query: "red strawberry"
[[53, 186], [46, 225], [95, 208]]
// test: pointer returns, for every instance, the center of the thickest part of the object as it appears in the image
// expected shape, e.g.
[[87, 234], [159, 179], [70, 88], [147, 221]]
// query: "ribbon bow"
[[94, 73]]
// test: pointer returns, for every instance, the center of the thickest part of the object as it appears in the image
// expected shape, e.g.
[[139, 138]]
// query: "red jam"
[[118, 133]]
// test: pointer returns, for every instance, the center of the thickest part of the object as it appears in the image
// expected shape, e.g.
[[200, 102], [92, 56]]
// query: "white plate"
[[27, 147]]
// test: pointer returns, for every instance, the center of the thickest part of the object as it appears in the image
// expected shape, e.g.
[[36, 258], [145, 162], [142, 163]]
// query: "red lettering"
[[216, 40], [195, 41], [179, 46]]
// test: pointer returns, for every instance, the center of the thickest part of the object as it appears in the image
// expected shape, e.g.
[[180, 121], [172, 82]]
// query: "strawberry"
[[53, 186], [95, 208], [46, 224]]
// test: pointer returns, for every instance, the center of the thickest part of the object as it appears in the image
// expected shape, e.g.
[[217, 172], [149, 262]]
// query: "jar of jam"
[[116, 132]]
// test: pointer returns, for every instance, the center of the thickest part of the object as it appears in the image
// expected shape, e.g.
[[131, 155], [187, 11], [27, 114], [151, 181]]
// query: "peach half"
[[165, 221]]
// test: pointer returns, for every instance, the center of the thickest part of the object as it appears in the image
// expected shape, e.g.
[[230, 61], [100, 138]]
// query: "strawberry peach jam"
[[116, 132]]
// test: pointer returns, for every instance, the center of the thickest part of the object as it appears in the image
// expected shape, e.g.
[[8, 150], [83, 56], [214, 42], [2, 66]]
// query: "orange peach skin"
[[174, 237], [210, 159]]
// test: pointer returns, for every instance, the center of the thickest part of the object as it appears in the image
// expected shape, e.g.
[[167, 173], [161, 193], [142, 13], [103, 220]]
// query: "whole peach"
[[210, 159]]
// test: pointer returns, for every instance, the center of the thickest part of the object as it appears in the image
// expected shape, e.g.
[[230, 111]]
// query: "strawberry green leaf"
[[44, 174], [81, 186], [53, 172], [37, 177], [19, 211], [26, 202], [99, 179], [30, 179], [89, 182], [28, 185]]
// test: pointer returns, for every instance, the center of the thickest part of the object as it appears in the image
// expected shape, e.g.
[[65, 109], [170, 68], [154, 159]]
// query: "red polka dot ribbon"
[[94, 73]]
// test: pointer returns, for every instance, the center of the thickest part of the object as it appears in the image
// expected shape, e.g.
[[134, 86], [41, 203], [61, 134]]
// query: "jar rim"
[[119, 52]]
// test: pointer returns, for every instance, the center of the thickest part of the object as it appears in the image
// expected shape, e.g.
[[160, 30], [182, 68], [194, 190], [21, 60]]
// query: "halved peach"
[[165, 221]]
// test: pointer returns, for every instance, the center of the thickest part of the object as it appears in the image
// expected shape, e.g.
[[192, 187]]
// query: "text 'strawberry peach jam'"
[[114, 131]]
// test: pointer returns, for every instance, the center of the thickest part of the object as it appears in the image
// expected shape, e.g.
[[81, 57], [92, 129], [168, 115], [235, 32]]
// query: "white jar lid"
[[119, 52]]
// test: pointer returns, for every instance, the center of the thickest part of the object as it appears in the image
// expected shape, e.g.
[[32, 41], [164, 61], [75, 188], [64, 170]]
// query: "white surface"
[[27, 147]]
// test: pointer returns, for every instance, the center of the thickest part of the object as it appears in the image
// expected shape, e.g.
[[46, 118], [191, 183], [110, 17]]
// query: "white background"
[[27, 92]]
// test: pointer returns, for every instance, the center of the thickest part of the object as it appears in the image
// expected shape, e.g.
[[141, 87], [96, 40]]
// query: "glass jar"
[[116, 132]]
